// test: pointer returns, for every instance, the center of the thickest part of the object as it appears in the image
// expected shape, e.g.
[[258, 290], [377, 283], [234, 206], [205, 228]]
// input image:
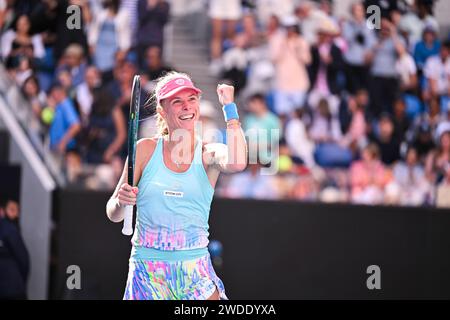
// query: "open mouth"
[[185, 117]]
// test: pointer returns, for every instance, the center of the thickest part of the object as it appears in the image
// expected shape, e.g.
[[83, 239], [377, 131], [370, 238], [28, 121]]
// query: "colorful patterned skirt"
[[193, 279]]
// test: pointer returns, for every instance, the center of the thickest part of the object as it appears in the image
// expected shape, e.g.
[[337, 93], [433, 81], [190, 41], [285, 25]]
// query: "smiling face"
[[181, 111]]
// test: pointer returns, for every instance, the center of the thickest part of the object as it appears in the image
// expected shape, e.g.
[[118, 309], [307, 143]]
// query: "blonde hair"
[[163, 130]]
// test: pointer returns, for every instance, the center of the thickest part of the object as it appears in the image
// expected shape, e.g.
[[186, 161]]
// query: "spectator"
[[386, 140], [19, 42], [260, 73], [429, 46], [11, 211], [401, 120], [368, 177], [43, 18], [384, 75], [154, 65], [20, 71], [270, 10], [446, 116], [224, 15], [120, 88], [437, 73], [291, 55], [108, 35], [326, 68], [298, 139], [235, 62], [438, 158], [64, 78], [443, 189], [85, 93], [324, 126], [152, 16], [14, 258], [310, 20], [260, 121], [416, 20], [65, 125], [284, 163], [273, 26], [361, 98], [407, 71], [306, 188], [421, 138], [73, 61], [326, 133], [35, 96], [360, 40], [434, 116], [106, 132], [356, 134], [253, 33], [8, 15], [409, 175], [131, 8]]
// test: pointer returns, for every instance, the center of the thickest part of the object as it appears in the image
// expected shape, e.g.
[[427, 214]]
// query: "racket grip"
[[128, 221]]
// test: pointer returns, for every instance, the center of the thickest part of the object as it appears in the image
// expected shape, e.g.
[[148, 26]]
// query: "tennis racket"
[[133, 125]]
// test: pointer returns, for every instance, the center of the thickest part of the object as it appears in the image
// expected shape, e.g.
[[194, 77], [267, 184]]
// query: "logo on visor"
[[179, 82]]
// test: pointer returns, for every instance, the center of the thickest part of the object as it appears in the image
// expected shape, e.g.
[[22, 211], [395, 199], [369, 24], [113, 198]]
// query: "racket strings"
[[148, 108]]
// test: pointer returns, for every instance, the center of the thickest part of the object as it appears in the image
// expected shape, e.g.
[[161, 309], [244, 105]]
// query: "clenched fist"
[[225, 93]]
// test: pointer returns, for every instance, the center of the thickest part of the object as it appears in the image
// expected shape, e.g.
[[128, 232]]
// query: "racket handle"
[[128, 221]]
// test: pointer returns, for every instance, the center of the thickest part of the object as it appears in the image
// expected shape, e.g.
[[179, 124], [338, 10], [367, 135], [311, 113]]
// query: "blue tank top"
[[172, 208]]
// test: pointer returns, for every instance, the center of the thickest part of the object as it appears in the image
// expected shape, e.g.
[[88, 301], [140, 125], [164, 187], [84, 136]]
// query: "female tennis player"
[[175, 174]]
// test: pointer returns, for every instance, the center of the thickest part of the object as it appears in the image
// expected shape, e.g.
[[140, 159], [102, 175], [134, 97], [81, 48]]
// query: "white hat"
[[442, 128], [289, 21], [328, 26]]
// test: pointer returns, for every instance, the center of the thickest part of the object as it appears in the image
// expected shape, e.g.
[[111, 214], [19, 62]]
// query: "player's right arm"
[[124, 194]]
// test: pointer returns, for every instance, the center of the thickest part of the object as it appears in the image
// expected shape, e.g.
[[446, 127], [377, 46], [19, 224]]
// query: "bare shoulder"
[[147, 142], [144, 150]]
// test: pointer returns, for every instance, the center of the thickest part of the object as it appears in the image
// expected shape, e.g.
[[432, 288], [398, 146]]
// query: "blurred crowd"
[[74, 61], [363, 109], [362, 102]]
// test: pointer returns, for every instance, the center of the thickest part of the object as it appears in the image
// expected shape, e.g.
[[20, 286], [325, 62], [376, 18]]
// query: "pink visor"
[[174, 86]]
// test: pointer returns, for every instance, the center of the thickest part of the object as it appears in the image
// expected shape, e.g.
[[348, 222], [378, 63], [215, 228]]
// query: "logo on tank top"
[[176, 194]]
